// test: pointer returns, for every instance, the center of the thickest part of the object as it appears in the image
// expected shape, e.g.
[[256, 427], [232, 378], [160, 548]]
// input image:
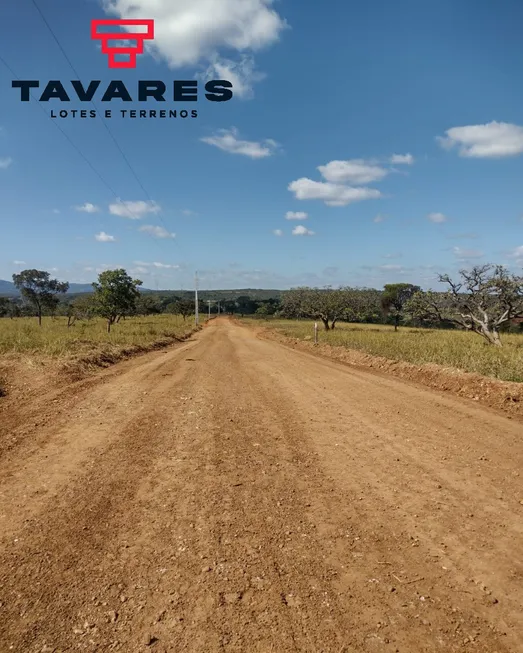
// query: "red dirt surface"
[[502, 395], [232, 494]]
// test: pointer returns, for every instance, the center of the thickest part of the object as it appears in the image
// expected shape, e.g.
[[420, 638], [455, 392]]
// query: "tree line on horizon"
[[486, 300]]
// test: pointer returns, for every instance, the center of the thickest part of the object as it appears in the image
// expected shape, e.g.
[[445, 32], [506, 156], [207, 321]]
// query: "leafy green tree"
[[148, 305], [14, 309], [394, 299], [246, 305], [37, 288], [486, 298], [183, 307], [115, 295], [326, 304], [331, 304], [263, 310], [228, 306], [362, 304], [5, 306], [83, 307]]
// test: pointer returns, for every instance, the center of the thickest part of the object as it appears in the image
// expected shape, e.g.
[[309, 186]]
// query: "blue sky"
[[396, 128]]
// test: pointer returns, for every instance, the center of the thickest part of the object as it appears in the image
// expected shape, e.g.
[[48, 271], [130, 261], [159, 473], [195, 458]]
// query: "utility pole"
[[209, 302], [196, 313]]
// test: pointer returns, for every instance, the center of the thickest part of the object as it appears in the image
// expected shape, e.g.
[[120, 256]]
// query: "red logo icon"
[[135, 39]]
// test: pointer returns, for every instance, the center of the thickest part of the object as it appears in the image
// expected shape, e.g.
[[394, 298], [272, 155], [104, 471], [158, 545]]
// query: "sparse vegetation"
[[55, 339], [486, 301]]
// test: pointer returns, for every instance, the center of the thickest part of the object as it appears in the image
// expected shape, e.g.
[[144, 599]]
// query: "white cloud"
[[331, 194], [88, 269], [402, 159], [353, 171], [278, 232], [390, 267], [465, 254], [189, 213], [296, 215], [300, 230], [87, 208], [5, 163], [228, 141], [56, 211], [165, 266], [241, 74], [379, 218], [437, 217], [492, 140], [133, 210], [104, 266], [158, 265], [195, 32], [139, 270], [517, 252], [156, 232], [19, 263], [102, 237]]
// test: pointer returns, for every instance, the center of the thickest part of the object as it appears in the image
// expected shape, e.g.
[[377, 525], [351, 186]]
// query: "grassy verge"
[[457, 349], [55, 339], [83, 347]]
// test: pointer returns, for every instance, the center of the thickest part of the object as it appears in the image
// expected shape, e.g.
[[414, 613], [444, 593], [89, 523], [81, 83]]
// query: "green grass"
[[55, 339], [458, 349]]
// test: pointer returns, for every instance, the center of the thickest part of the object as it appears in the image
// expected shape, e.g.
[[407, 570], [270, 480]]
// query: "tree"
[[362, 304], [14, 309], [83, 307], [183, 307], [486, 298], [246, 305], [325, 304], [148, 305], [37, 287], [5, 307], [394, 299], [115, 295], [263, 309], [228, 306]]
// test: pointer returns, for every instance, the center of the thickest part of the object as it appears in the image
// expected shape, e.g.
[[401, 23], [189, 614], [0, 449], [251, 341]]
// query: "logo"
[[135, 40], [161, 95]]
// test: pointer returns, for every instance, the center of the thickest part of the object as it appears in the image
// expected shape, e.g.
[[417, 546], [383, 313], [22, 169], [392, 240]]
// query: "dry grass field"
[[84, 345], [23, 335], [458, 349]]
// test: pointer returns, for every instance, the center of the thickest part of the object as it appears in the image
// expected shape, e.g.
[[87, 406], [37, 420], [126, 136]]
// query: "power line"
[[57, 125], [104, 122], [71, 142]]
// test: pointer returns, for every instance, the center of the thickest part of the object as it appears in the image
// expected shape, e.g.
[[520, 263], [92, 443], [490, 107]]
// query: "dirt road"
[[235, 495]]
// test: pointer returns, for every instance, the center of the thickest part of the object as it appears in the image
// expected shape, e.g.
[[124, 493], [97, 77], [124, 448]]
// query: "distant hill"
[[7, 288]]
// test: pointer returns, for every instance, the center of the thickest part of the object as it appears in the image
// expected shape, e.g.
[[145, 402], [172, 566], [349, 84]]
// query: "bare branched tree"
[[486, 298], [330, 304]]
